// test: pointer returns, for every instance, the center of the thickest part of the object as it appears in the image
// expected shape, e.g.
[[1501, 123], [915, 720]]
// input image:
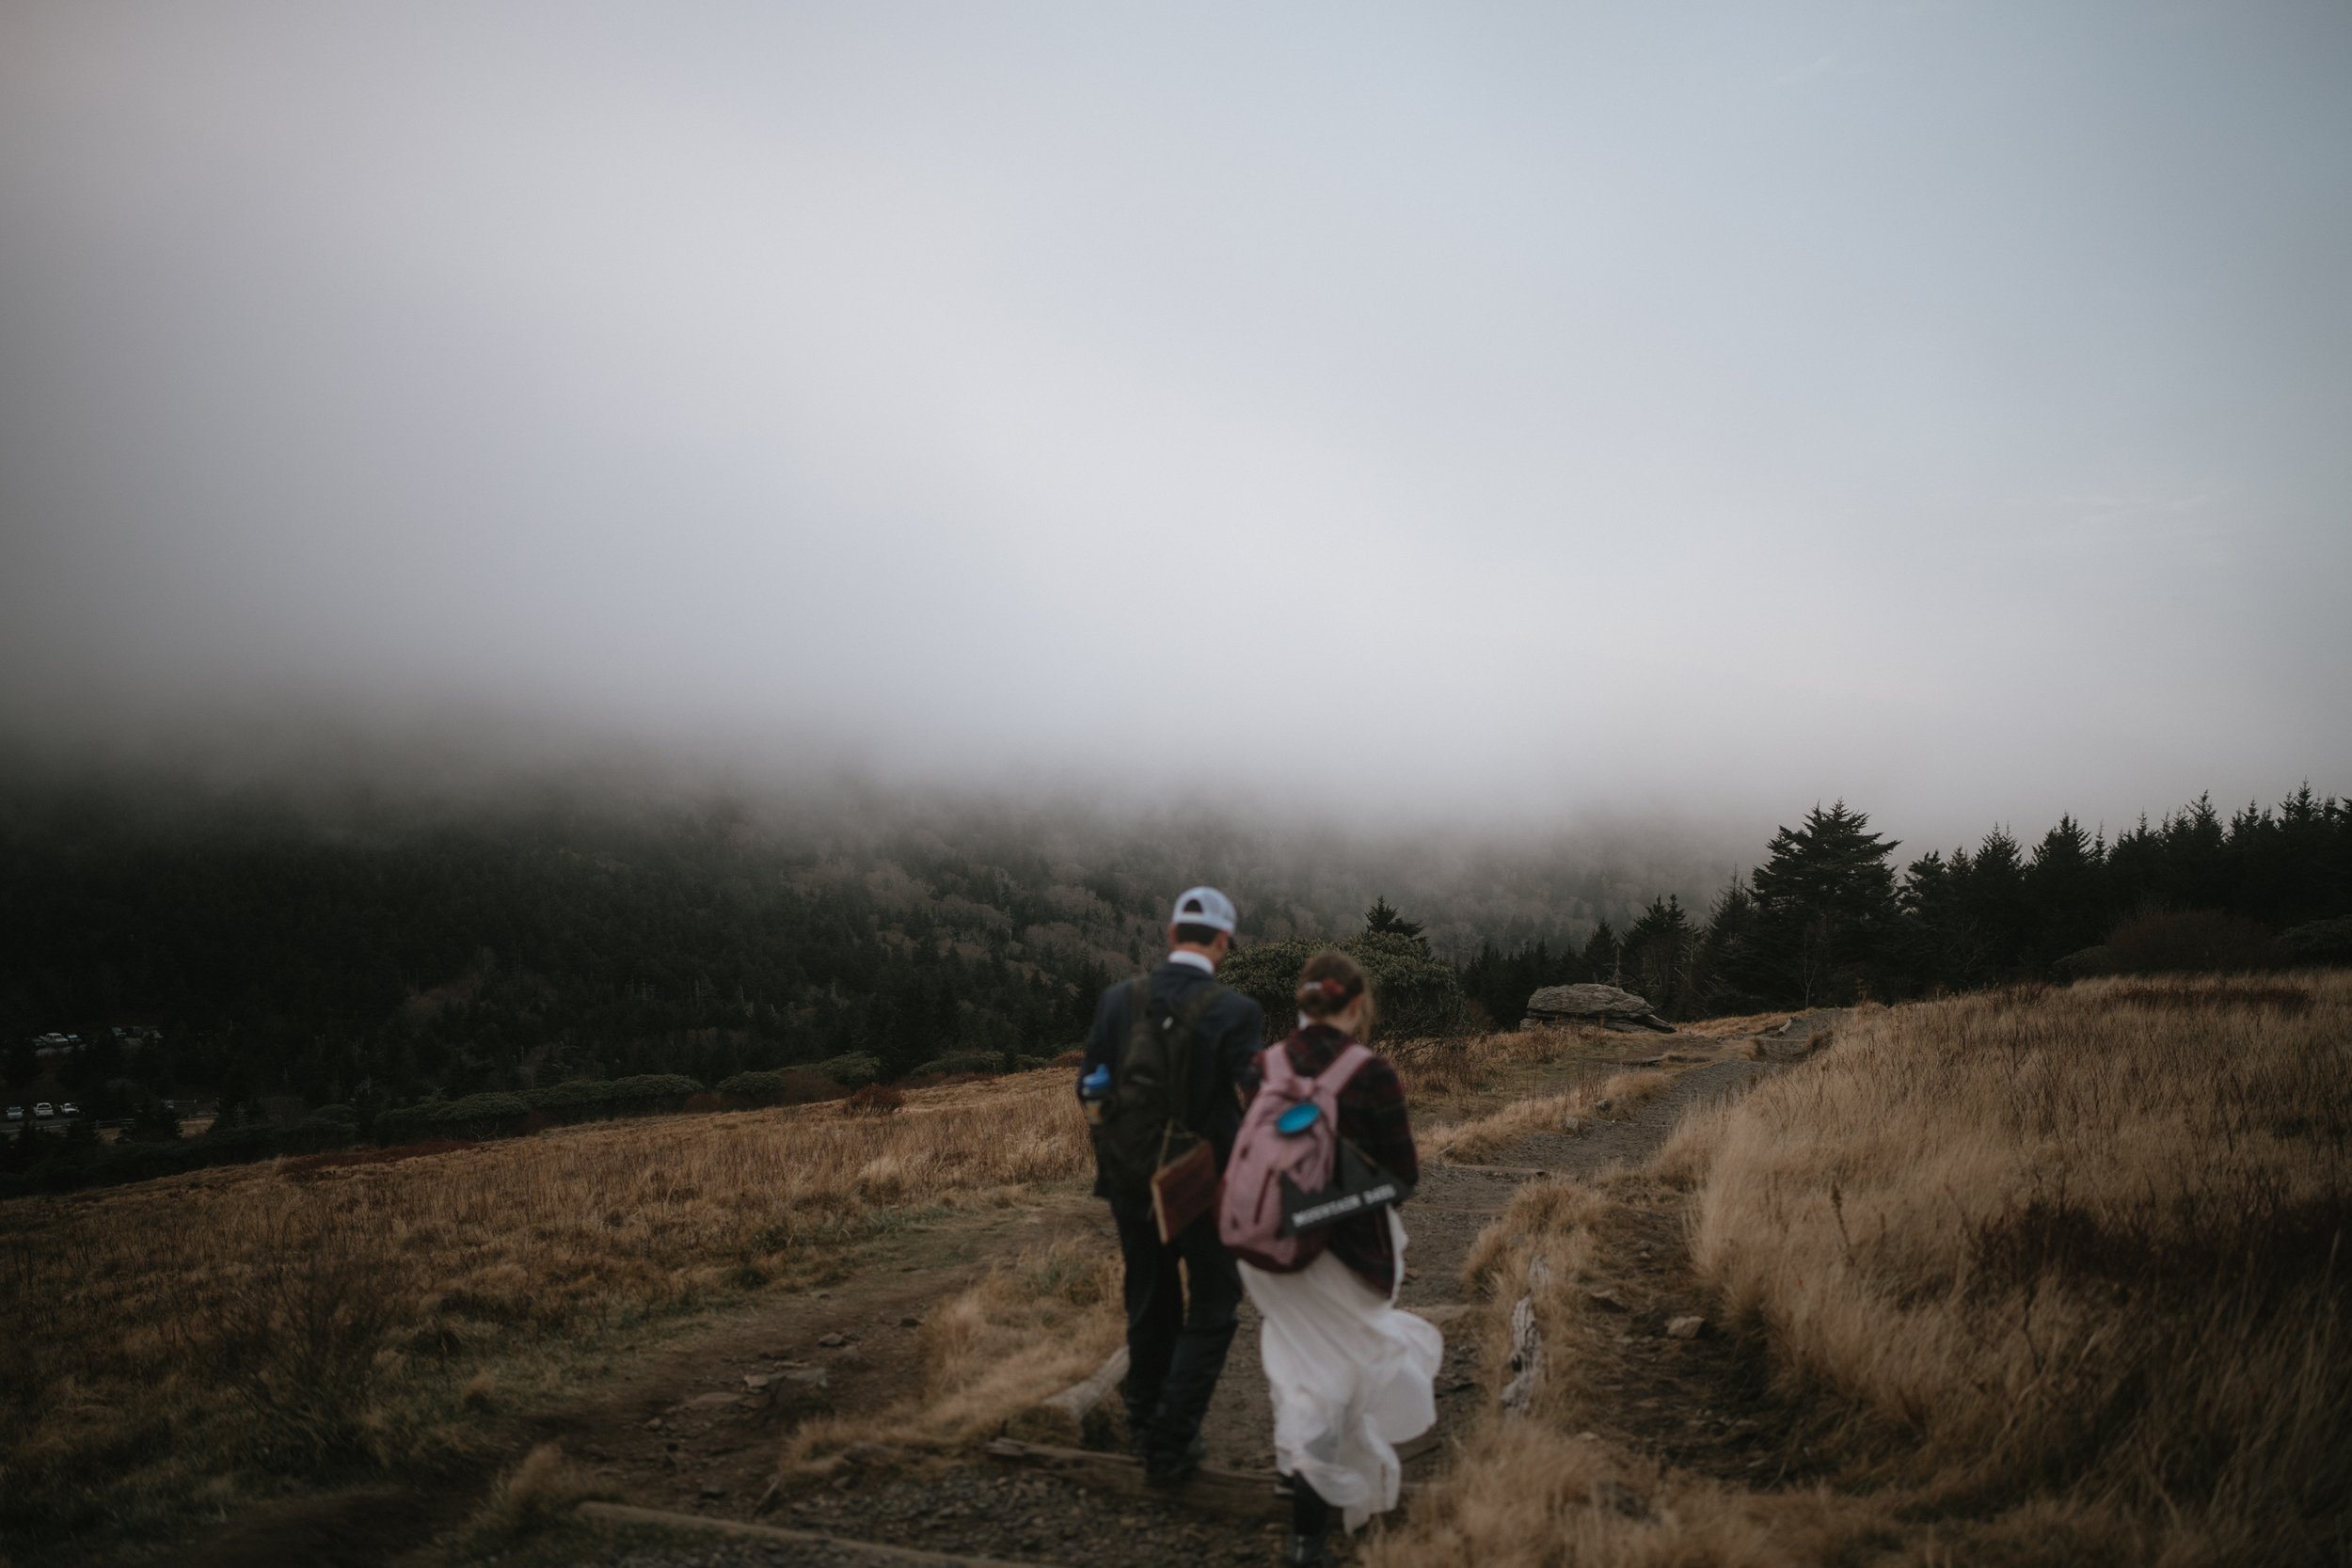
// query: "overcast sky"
[[1516, 409]]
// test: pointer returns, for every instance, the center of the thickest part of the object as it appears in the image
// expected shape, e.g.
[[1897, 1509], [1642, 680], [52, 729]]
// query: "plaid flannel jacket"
[[1373, 1118]]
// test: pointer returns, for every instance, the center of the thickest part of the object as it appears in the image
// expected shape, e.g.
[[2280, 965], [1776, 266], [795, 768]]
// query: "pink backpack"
[[1249, 1210]]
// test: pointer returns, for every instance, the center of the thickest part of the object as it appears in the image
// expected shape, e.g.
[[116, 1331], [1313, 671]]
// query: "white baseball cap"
[[1204, 906]]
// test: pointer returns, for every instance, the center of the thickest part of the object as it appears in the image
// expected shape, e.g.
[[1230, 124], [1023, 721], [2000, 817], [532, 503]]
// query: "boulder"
[[1593, 1004]]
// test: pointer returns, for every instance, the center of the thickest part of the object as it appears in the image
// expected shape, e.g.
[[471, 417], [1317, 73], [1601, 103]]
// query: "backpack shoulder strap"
[[1274, 1067], [1195, 1007], [1184, 1030], [1344, 1066]]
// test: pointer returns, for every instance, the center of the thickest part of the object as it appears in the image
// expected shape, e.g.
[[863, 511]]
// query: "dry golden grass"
[[1029, 1329], [1484, 1137], [1732, 1025], [1442, 1075], [2062, 1272], [166, 1338], [1524, 1494], [1538, 1490], [2082, 1244]]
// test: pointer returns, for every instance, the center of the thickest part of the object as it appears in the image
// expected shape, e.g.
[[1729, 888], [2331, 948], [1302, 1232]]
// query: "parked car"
[[69, 1109], [43, 1109], [16, 1113]]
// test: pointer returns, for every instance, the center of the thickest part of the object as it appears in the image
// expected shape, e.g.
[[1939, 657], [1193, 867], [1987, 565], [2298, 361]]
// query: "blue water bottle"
[[1094, 1092]]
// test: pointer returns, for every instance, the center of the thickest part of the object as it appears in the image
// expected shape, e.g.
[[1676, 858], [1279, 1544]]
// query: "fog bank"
[[1505, 417]]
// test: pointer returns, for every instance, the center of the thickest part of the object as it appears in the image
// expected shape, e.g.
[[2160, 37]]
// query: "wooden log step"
[[872, 1551]]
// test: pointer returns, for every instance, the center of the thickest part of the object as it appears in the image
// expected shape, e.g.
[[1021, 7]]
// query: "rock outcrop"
[[1602, 1004]]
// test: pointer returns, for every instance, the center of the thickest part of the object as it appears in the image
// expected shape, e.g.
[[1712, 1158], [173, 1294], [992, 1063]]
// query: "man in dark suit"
[[1175, 1348]]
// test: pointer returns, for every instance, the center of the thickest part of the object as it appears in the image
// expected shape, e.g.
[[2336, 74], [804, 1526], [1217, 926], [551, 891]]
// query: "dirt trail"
[[984, 1512], [675, 1428]]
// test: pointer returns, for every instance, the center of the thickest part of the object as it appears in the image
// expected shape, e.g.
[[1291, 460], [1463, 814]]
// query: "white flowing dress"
[[1352, 1377]]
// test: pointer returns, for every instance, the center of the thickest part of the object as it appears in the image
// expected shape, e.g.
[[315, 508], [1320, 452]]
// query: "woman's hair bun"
[[1327, 983]]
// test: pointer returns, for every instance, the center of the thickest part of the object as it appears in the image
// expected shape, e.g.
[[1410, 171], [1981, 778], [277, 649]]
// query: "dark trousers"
[[1175, 1347]]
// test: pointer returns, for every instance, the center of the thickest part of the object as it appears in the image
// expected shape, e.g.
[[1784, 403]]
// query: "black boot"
[[1164, 1466], [1308, 1551], [1310, 1543]]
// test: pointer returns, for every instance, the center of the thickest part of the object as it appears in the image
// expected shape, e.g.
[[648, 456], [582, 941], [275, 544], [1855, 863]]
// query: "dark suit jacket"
[[1228, 1040]]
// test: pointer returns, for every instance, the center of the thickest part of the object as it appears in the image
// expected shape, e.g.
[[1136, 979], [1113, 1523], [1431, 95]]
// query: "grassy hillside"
[[180, 1344], [2031, 1276]]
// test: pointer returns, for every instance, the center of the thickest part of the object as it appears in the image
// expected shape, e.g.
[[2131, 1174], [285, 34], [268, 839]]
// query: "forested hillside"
[[376, 954], [370, 953]]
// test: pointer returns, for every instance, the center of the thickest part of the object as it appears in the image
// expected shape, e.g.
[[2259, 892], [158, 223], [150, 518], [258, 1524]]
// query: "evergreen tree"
[[1825, 909], [1602, 955], [1382, 921], [2065, 890], [1995, 896], [1937, 944], [1723, 951], [2196, 857], [1657, 956]]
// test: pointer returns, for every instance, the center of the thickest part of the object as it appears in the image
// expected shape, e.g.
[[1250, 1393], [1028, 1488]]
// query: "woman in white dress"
[[1351, 1375]]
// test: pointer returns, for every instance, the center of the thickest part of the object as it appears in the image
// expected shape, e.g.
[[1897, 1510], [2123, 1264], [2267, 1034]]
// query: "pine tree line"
[[1825, 919]]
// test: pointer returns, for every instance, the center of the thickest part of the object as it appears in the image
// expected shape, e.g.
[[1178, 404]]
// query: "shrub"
[[958, 1063], [790, 1086], [2084, 963], [476, 1116], [294, 1336], [581, 1098], [1057, 1059], [853, 1071], [589, 1095], [1414, 993]]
